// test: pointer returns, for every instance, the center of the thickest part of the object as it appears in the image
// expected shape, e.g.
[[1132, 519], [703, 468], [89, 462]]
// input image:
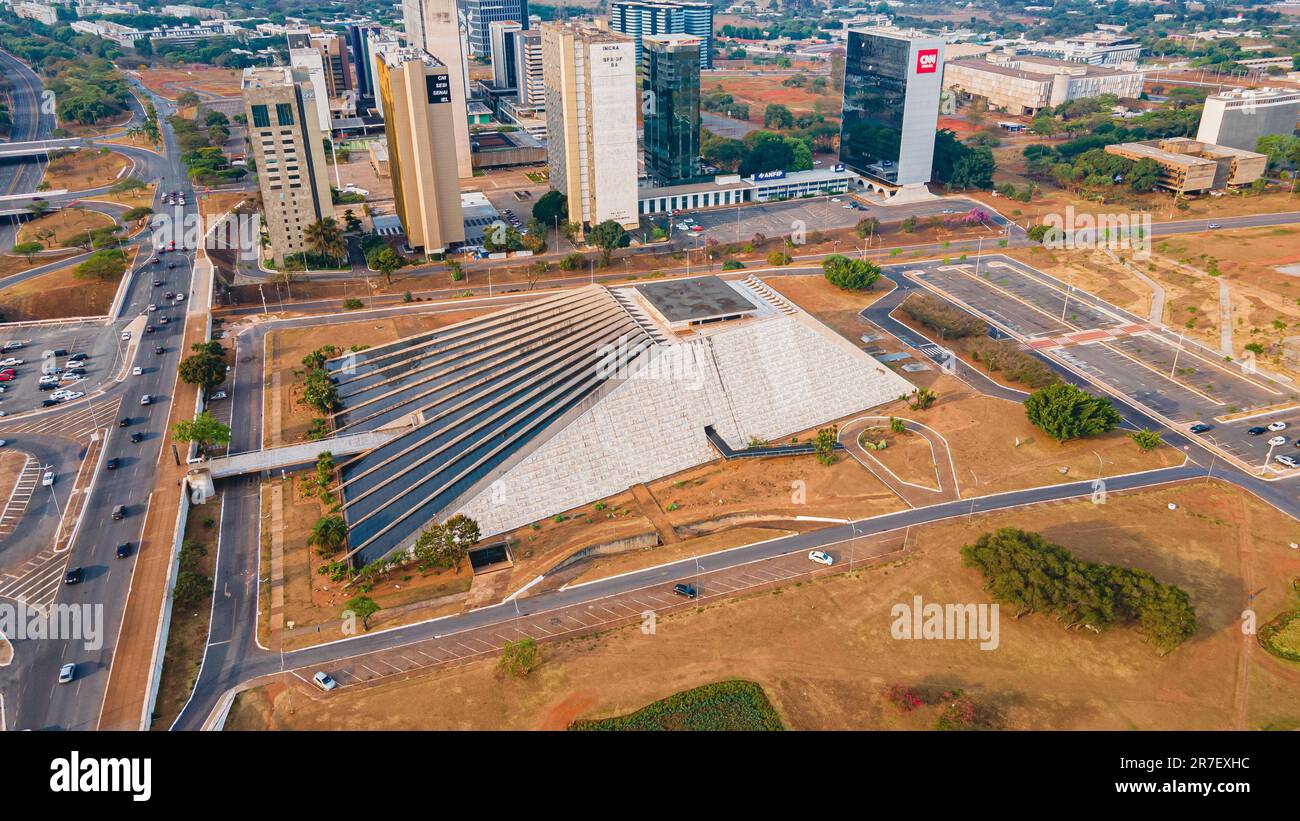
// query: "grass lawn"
[[727, 705]]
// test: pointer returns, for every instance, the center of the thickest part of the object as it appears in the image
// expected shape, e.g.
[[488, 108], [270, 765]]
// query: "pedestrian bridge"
[[293, 456]]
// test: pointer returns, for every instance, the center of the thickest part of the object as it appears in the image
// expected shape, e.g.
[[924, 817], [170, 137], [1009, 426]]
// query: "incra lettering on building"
[[927, 60]]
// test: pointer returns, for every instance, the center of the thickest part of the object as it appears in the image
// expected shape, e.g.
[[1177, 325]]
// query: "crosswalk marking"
[[75, 424], [19, 497]]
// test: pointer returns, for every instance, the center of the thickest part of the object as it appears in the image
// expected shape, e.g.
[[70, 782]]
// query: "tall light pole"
[[1177, 351]]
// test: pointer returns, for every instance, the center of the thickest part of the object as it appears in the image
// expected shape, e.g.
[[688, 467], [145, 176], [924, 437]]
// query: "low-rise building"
[[1028, 84], [1190, 166], [40, 12], [1100, 48], [732, 189], [1238, 118]]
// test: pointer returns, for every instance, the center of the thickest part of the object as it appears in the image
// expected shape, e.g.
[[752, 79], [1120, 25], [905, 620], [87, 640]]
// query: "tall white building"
[[501, 37], [434, 26], [530, 79], [591, 106], [311, 62], [1238, 118]]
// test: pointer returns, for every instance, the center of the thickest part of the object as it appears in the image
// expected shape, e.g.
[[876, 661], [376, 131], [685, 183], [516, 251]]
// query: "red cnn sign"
[[927, 60]]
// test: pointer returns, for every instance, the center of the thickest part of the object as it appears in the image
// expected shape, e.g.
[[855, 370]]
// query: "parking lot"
[[103, 360], [777, 219], [1180, 380]]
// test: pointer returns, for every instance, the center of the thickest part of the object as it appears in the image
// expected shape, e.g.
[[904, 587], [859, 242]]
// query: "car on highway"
[[1287, 459], [119, 512], [1276, 441], [124, 550], [147, 399], [687, 590], [1277, 426], [73, 576], [1200, 427], [137, 438], [3, 443], [1213, 225], [149, 329], [111, 464], [218, 395], [162, 320], [124, 422], [152, 308], [157, 282], [323, 681], [1257, 431], [820, 557], [137, 370], [126, 335], [67, 673], [48, 479], [158, 349]]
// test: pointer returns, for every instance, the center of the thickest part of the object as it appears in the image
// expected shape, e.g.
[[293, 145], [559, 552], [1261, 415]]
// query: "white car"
[[75, 395], [69, 376], [137, 370], [9, 362], [47, 479], [1276, 426], [1287, 459], [126, 335], [1277, 441], [67, 673], [153, 308], [3, 443], [61, 395], [821, 557], [323, 681], [146, 399]]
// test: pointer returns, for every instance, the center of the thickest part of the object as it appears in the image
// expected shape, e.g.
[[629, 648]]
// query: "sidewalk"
[[130, 677]]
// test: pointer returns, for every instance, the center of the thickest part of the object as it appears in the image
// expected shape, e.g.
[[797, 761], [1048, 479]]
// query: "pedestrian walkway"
[[19, 497]]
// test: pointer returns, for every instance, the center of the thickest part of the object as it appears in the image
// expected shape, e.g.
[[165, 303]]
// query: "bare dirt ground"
[[57, 294], [758, 92], [80, 170], [823, 650], [172, 82], [65, 224], [98, 129], [836, 308]]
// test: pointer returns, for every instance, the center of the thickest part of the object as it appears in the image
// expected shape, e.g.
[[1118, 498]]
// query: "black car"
[[687, 590], [148, 329], [124, 550], [124, 422], [158, 349], [49, 403], [73, 576], [79, 357], [137, 437], [171, 265], [1200, 427], [1257, 431], [111, 464]]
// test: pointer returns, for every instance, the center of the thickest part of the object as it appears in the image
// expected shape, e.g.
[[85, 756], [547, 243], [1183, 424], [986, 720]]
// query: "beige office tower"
[[591, 105], [415, 93], [280, 104], [434, 26]]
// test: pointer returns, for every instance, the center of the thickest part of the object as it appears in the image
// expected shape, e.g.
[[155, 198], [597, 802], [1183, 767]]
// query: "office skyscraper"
[[415, 93], [892, 83], [637, 18], [433, 26], [591, 104], [504, 65], [530, 81], [359, 37], [280, 104], [481, 14], [672, 106]]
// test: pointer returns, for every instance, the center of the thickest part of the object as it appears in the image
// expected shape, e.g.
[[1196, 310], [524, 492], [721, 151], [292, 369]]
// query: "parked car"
[[1276, 426], [324, 681], [48, 479], [218, 395], [1257, 431], [821, 557], [1200, 427], [1287, 459], [79, 357], [687, 590], [9, 362], [1277, 441]]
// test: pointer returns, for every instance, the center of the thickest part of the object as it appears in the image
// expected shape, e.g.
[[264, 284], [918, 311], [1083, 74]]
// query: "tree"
[[607, 236], [776, 115], [28, 249], [1064, 412], [550, 207], [1146, 440], [127, 185], [328, 534], [1144, 176], [187, 98], [203, 368], [324, 469], [850, 274], [205, 429], [191, 588], [350, 221], [867, 227], [824, 444], [447, 544], [386, 261], [920, 399], [324, 238], [363, 607], [320, 392], [519, 658]]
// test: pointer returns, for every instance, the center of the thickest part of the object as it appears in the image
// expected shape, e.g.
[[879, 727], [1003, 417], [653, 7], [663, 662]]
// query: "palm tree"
[[328, 534], [325, 239]]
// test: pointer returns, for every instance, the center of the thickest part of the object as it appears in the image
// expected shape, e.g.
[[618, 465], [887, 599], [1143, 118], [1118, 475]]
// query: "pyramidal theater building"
[[522, 413]]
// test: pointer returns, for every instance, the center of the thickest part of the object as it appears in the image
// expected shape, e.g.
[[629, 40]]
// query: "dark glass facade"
[[875, 87], [672, 111]]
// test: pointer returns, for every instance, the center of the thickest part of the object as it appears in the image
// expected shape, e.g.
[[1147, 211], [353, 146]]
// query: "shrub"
[[934, 313]]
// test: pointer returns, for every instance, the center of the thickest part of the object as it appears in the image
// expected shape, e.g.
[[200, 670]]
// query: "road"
[[32, 699], [29, 123]]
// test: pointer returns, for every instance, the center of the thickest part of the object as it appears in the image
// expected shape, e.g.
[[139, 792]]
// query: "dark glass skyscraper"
[[891, 105], [672, 106]]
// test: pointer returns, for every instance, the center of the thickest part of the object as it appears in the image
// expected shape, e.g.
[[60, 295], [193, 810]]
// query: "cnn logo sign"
[[927, 61]]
